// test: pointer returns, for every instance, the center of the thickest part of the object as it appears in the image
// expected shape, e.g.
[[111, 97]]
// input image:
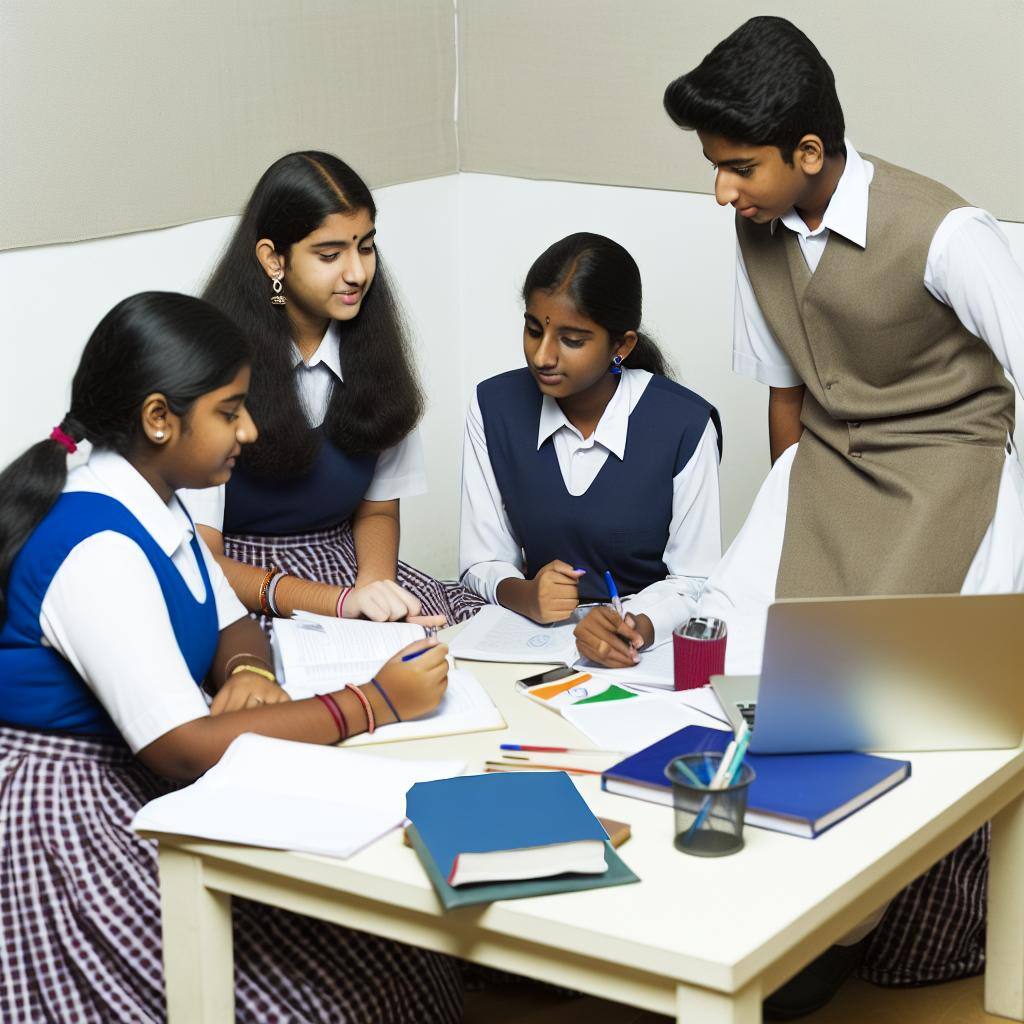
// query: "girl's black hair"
[[151, 343], [380, 400], [764, 85], [603, 281]]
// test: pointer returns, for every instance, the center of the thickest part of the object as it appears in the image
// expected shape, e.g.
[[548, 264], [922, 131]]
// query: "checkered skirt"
[[80, 913], [330, 557]]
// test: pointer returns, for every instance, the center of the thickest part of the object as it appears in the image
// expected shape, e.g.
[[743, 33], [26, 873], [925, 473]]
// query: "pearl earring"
[[159, 435]]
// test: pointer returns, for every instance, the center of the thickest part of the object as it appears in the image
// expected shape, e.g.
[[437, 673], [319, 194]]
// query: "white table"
[[701, 939]]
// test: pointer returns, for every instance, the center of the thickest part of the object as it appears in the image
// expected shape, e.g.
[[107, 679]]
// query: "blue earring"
[[616, 367]]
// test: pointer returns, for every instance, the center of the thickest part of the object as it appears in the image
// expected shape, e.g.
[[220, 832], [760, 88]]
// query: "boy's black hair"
[[764, 85]]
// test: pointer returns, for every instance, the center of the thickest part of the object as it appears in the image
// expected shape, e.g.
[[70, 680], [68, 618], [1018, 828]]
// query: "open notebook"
[[315, 654]]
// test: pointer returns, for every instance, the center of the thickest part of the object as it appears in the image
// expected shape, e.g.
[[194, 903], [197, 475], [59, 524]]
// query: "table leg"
[[702, 1006], [199, 975], [1004, 963]]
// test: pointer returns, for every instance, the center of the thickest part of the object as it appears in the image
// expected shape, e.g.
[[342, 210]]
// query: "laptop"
[[942, 672]]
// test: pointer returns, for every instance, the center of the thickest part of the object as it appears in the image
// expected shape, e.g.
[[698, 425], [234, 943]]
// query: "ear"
[[809, 154], [270, 259], [628, 343], [158, 423]]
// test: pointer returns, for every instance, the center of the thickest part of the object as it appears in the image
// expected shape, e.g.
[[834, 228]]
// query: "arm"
[[784, 426], [375, 530]]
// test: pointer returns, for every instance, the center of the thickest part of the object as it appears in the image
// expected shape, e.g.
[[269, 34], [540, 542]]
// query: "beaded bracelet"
[[387, 699], [345, 591], [336, 713], [256, 670], [264, 606], [364, 700], [272, 590]]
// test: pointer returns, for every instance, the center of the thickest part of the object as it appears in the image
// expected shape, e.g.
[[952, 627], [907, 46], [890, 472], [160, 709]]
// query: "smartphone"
[[552, 674]]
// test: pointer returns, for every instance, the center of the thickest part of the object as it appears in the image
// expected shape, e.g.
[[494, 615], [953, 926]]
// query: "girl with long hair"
[[311, 518], [590, 459], [114, 618]]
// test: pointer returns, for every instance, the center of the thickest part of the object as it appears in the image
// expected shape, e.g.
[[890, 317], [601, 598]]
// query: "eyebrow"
[[240, 397], [561, 327], [735, 161], [344, 242]]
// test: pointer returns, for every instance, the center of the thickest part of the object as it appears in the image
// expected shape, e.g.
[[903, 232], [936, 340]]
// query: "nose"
[[725, 191], [246, 432], [354, 271], [546, 355]]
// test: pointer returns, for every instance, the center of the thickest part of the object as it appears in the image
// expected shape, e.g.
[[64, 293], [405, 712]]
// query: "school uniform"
[[638, 498], [303, 524], [114, 611], [901, 315]]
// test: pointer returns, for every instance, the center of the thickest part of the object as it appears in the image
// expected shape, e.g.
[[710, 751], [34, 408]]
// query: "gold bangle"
[[256, 670], [239, 657]]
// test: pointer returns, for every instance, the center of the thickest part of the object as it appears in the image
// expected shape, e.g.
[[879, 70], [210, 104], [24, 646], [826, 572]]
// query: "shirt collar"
[[168, 524], [611, 428], [327, 352], [847, 211]]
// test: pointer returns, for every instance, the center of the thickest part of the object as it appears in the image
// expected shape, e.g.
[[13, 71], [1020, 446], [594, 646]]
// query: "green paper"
[[614, 692], [489, 892]]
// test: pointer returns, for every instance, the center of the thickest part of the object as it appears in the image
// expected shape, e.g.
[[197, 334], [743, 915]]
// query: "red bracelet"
[[345, 591], [336, 713], [370, 724]]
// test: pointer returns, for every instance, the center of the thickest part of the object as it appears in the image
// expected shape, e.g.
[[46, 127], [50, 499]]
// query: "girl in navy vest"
[[311, 518], [113, 616], [590, 459]]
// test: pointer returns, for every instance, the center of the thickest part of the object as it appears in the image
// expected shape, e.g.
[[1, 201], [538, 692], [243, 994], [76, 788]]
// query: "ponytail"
[[152, 343], [646, 355]]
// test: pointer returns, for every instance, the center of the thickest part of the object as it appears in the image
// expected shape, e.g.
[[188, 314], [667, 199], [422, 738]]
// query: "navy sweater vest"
[[621, 522], [38, 688], [325, 496]]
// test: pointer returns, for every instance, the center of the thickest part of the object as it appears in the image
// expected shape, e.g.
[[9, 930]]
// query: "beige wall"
[[132, 114], [571, 89]]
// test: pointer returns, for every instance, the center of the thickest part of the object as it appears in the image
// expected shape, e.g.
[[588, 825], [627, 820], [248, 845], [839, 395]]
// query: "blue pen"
[[613, 593], [416, 654]]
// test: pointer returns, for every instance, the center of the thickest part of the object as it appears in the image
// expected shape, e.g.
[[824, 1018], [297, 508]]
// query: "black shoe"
[[816, 984]]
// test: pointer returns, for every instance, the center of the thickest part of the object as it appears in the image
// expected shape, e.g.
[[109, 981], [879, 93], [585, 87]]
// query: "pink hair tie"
[[60, 437]]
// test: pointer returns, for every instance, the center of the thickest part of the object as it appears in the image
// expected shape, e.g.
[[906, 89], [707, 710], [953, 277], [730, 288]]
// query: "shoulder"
[[687, 411], [678, 397], [509, 382], [912, 190]]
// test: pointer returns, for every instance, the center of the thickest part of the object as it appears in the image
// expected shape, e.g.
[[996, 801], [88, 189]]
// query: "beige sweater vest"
[[906, 413]]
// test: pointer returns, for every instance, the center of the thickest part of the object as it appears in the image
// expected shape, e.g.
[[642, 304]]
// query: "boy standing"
[[882, 311]]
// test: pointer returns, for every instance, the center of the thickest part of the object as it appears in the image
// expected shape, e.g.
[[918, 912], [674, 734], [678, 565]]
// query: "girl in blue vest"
[[114, 616], [590, 459], [311, 518]]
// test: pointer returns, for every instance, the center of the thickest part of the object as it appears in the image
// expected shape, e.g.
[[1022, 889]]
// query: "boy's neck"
[[822, 187]]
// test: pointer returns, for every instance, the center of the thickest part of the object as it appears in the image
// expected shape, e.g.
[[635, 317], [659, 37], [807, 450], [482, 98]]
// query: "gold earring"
[[277, 299]]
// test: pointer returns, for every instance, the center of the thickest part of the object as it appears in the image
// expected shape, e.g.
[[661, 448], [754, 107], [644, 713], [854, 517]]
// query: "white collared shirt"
[[489, 551], [400, 471], [105, 613], [969, 268]]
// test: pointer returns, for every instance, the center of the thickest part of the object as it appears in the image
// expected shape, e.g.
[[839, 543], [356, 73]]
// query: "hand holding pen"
[[611, 637]]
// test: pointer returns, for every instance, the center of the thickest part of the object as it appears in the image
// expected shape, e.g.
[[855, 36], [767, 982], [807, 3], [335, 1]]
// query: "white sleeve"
[[104, 611], [755, 352], [694, 542], [488, 549], [205, 506], [971, 269], [229, 608], [401, 471]]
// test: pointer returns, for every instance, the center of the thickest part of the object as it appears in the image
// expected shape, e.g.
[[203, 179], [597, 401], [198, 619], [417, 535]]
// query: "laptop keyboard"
[[748, 711]]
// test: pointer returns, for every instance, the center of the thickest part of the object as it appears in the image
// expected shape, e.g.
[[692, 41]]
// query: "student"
[[310, 519], [882, 311], [590, 459], [113, 614]]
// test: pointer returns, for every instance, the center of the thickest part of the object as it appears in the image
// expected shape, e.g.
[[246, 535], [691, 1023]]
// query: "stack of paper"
[[497, 634], [293, 796]]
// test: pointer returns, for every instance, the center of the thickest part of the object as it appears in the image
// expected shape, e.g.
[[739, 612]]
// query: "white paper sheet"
[[655, 669], [293, 796], [497, 634]]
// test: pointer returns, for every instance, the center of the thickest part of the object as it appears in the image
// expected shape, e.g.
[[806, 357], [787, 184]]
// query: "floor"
[[958, 1002]]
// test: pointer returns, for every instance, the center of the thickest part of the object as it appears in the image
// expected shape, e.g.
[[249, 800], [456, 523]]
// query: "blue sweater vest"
[[325, 496], [621, 523], [38, 688]]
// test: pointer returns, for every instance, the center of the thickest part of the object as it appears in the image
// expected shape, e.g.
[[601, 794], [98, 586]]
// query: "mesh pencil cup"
[[709, 822]]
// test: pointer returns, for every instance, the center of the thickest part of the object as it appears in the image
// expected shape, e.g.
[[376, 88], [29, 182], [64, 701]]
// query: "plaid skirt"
[[80, 912], [934, 930], [329, 556]]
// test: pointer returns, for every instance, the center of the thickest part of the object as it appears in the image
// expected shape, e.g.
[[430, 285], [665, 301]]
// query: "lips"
[[548, 378], [747, 211], [350, 298]]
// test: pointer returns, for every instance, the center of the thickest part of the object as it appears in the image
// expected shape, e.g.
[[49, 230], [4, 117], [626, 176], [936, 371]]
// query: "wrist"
[[383, 715]]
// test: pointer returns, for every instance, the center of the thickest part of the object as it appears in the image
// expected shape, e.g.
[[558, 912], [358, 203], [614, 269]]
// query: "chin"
[[339, 311]]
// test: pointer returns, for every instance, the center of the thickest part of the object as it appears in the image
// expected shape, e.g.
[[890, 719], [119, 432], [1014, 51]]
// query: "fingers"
[[628, 631], [410, 602], [386, 601], [599, 637], [428, 621], [416, 645], [433, 654], [565, 569]]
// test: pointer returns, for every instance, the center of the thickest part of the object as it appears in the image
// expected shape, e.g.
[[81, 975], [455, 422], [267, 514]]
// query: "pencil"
[[507, 766], [554, 750]]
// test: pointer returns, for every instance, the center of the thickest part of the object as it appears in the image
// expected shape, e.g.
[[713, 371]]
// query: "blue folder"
[[801, 794]]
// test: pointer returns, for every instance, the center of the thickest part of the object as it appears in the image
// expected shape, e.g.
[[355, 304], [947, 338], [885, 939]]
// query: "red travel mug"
[[698, 649]]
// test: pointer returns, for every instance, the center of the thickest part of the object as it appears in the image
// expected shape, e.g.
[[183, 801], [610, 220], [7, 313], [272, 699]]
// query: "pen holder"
[[698, 652], [709, 822]]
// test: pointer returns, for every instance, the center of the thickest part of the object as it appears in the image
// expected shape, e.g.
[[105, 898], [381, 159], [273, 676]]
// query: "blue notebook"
[[801, 794], [507, 827]]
